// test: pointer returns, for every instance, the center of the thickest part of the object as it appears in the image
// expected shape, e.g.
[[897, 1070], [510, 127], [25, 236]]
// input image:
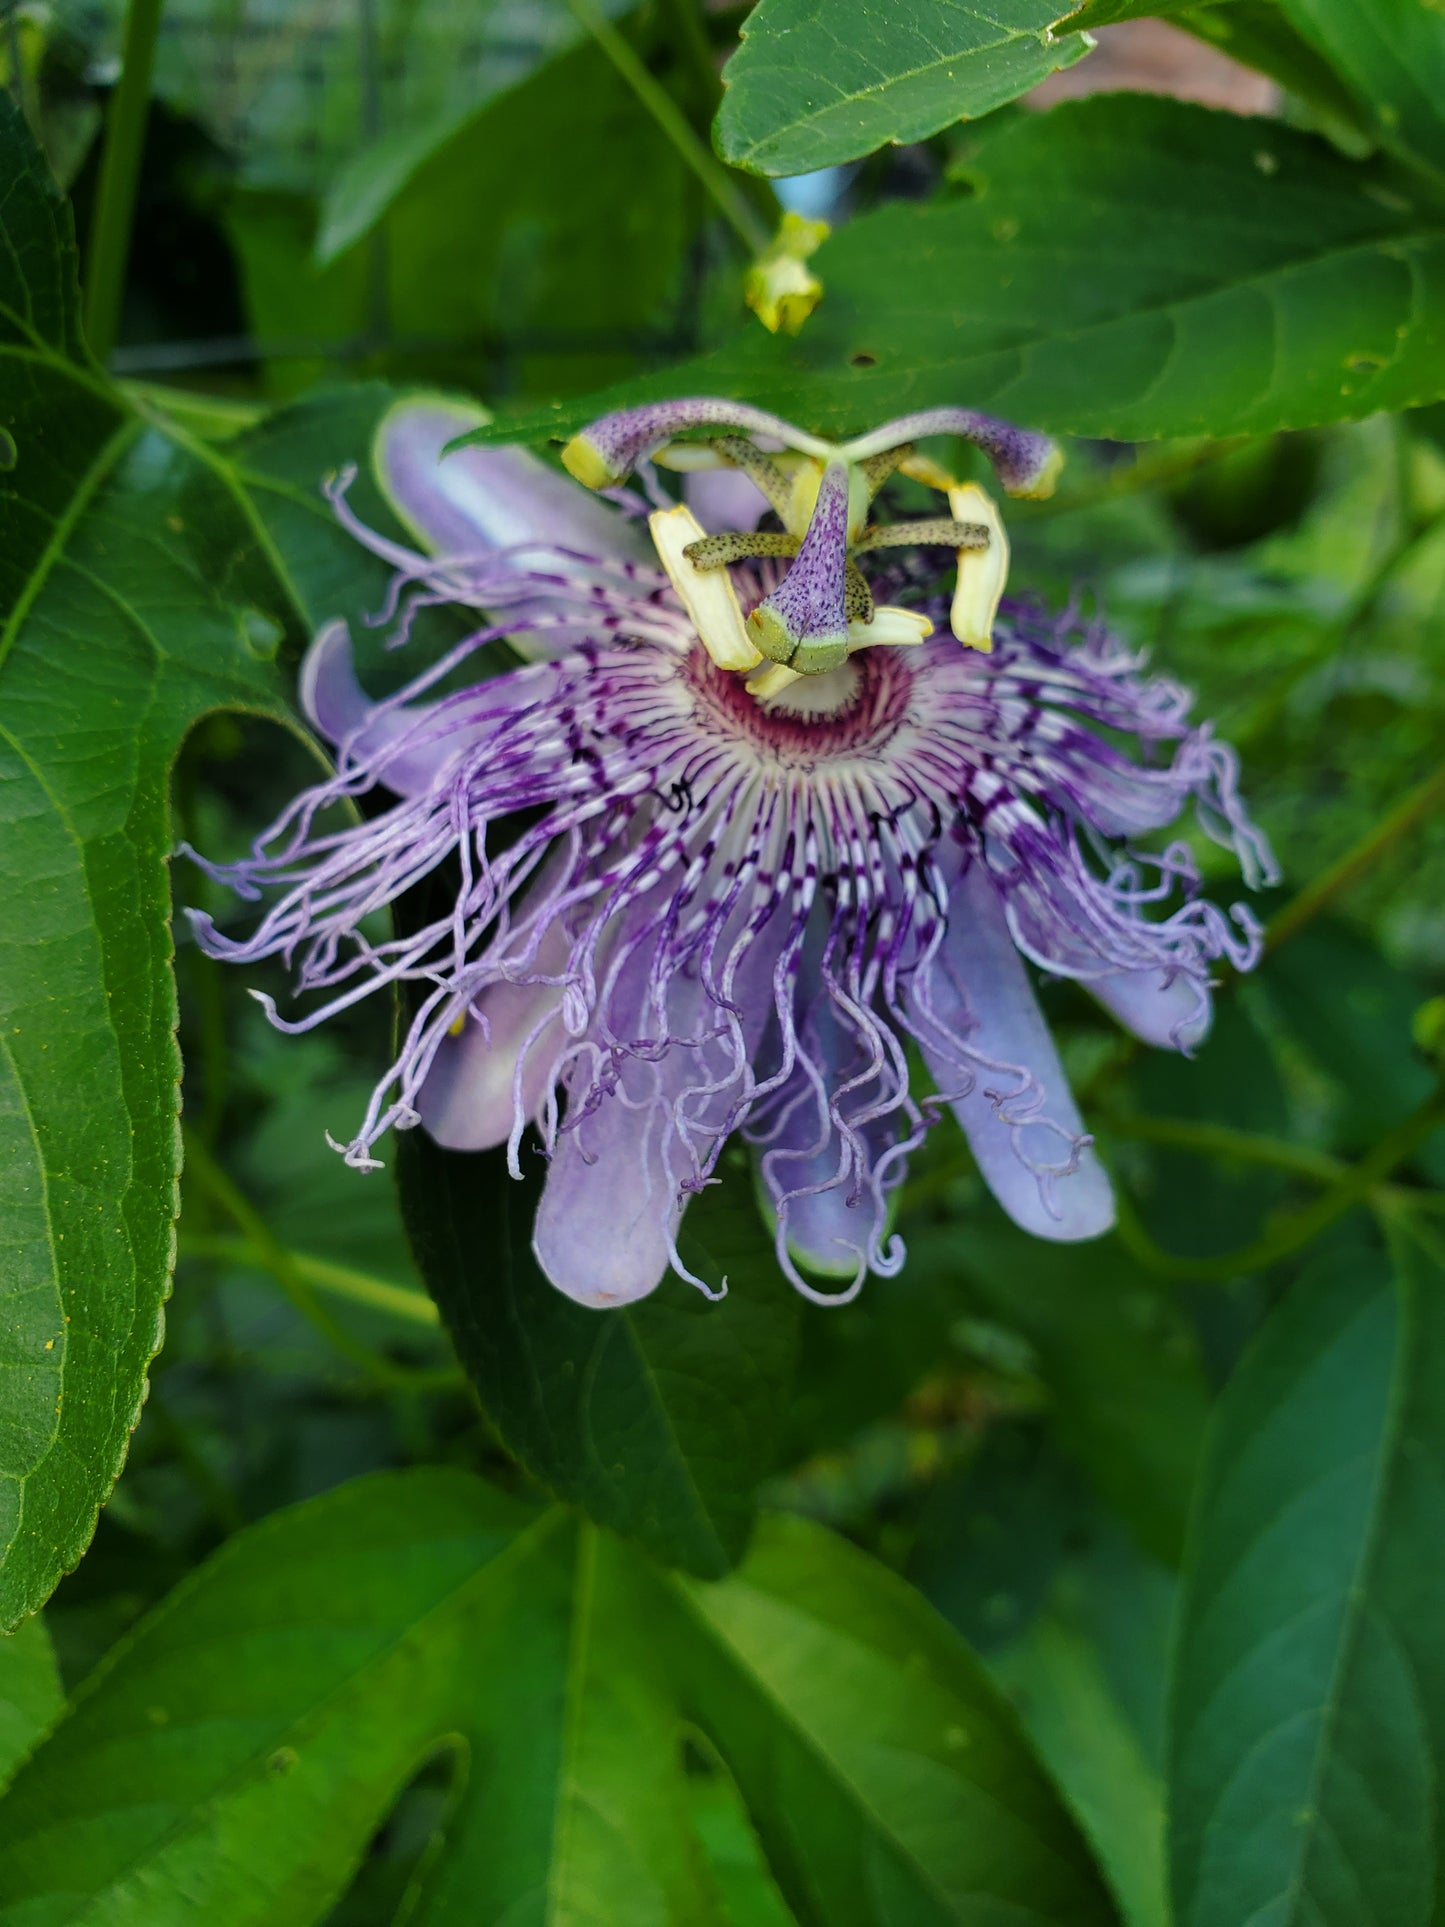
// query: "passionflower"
[[734, 840]]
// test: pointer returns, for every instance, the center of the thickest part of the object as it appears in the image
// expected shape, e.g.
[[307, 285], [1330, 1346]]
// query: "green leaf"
[[233, 1757], [111, 643], [1121, 1363], [991, 1536], [1308, 1723], [1201, 1206], [823, 1677], [138, 569], [658, 1418], [1257, 34], [812, 84], [1351, 1009], [1108, 13], [559, 277], [30, 1695], [358, 192], [1123, 267], [1390, 56], [1059, 1676]]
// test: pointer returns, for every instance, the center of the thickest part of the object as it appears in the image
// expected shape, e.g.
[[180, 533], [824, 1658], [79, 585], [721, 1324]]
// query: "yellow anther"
[[982, 573], [901, 628], [860, 500], [586, 463], [707, 594], [779, 289], [803, 499]]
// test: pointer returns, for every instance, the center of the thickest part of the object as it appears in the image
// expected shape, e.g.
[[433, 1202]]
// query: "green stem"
[[213, 417], [728, 200], [1223, 1141], [1347, 871], [400, 1301], [1412, 538], [1185, 1133], [119, 175], [267, 1251], [1361, 1182], [693, 45]]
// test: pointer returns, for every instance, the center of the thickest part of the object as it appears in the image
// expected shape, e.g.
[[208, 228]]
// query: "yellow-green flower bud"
[[779, 289]]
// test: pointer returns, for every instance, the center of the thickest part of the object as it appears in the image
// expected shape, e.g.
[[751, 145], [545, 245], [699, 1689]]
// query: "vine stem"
[[114, 215], [1341, 875], [343, 1281], [1359, 1184], [1224, 1141], [267, 1250], [729, 202]]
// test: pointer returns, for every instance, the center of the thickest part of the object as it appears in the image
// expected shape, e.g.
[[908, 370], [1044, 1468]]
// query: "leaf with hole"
[[1121, 267]]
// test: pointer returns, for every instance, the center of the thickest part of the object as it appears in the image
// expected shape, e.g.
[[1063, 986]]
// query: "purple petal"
[[624, 1167], [340, 708], [1018, 1112], [606, 1222], [332, 699], [472, 1094], [477, 499], [1168, 1009], [828, 1196], [821, 1152]]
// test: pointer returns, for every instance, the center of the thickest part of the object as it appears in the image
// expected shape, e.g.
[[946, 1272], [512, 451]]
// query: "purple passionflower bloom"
[[738, 847]]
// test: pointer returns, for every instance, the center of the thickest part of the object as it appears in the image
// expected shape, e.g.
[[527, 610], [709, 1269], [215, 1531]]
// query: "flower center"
[[854, 710], [821, 695]]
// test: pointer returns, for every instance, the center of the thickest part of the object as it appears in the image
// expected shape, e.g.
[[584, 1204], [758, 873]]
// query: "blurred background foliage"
[[466, 193]]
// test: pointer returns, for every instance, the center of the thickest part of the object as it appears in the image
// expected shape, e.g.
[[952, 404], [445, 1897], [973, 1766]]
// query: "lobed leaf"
[[231, 1760], [144, 581]]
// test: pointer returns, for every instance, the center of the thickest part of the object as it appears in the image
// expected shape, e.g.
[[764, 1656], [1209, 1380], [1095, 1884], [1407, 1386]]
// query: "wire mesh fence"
[[291, 190]]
